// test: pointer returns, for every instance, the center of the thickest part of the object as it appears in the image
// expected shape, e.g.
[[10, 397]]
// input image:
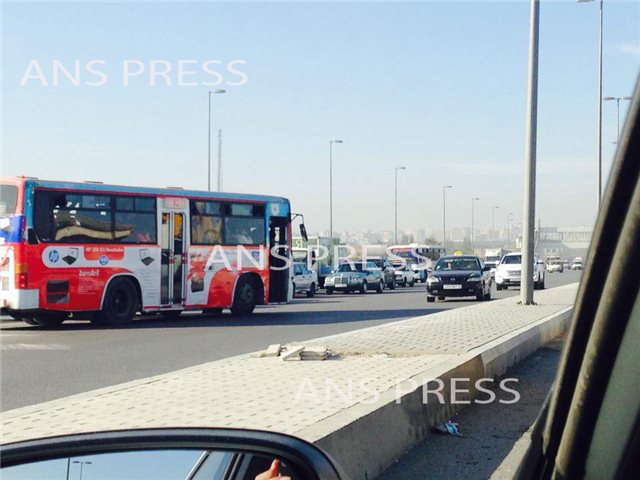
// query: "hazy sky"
[[437, 87]]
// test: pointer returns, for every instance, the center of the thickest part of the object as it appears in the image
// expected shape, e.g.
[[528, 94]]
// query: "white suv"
[[509, 268]]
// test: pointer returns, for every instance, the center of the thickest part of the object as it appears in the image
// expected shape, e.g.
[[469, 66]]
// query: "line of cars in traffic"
[[377, 274]]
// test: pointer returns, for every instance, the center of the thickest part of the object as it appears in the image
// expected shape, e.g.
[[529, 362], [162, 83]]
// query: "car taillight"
[[21, 279]]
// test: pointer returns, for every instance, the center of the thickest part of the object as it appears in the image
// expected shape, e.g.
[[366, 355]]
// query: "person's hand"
[[272, 473]]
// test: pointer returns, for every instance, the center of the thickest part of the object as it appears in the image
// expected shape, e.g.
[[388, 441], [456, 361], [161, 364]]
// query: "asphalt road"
[[39, 365], [490, 430]]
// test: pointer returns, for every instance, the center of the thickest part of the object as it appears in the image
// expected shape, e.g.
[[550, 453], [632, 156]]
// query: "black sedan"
[[459, 276]]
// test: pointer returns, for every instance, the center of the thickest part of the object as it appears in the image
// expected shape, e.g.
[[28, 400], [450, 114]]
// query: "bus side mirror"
[[303, 232], [32, 238]]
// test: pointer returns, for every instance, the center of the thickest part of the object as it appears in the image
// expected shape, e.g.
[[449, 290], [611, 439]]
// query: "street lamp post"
[[472, 235], [529, 204], [617, 99], [331, 142], [444, 216], [214, 92], [599, 101], [493, 228], [82, 464], [396, 202], [509, 229]]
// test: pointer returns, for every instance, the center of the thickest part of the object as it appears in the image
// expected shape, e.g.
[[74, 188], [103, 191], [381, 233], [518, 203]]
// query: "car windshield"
[[352, 267], [8, 199], [512, 259], [457, 263], [492, 259]]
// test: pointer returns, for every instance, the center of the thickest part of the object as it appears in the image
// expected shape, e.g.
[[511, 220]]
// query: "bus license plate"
[[453, 287]]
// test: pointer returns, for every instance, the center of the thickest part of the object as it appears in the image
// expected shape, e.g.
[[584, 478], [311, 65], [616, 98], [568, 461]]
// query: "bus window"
[[206, 223]]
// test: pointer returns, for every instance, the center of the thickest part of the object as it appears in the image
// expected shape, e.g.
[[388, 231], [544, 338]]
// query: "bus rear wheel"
[[46, 320], [245, 298], [120, 303]]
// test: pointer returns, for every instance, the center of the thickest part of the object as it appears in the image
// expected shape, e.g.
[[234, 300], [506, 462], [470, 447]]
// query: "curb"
[[396, 426]]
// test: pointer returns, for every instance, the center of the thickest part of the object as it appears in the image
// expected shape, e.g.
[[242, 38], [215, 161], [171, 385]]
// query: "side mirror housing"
[[303, 232], [32, 238]]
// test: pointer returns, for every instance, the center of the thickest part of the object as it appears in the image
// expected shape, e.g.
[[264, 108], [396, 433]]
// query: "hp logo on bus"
[[54, 256]]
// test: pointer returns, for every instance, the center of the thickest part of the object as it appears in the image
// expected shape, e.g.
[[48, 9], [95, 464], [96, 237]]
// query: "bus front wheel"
[[245, 298], [120, 303]]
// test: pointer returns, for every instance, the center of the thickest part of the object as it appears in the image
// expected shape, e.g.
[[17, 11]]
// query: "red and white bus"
[[104, 252]]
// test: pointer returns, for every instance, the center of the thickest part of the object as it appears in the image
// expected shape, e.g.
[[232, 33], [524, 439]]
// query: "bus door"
[[278, 275], [173, 245]]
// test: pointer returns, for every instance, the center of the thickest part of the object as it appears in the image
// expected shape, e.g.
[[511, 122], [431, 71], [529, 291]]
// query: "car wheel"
[[430, 299], [329, 291], [412, 283], [294, 290], [245, 298], [404, 282], [380, 287], [480, 296], [487, 296], [120, 303], [542, 284], [442, 299], [312, 290], [363, 288], [392, 285]]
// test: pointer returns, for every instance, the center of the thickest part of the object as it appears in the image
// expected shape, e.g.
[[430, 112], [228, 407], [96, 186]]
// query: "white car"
[[577, 264], [304, 280], [509, 270], [405, 276]]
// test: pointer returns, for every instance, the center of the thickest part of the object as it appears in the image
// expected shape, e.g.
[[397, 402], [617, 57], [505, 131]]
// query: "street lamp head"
[[401, 168], [336, 141], [219, 90], [475, 198], [448, 186], [609, 98], [585, 1]]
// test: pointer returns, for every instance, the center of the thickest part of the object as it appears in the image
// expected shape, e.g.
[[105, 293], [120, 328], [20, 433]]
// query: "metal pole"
[[493, 234], [219, 160], [600, 110], [528, 216], [331, 189], [396, 209], [444, 217], [618, 107], [68, 467], [209, 148], [472, 235]]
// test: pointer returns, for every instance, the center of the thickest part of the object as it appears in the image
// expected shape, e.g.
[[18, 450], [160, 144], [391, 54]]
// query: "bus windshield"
[[8, 199]]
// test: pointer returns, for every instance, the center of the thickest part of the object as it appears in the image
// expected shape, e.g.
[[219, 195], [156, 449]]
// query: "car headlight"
[[353, 280], [432, 279], [474, 278]]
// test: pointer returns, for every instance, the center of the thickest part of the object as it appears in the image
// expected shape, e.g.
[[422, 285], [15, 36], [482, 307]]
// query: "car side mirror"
[[486, 268], [198, 451], [32, 237]]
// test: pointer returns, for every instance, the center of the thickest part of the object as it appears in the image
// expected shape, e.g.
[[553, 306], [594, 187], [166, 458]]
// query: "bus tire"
[[120, 303], [312, 290], [46, 320], [245, 297]]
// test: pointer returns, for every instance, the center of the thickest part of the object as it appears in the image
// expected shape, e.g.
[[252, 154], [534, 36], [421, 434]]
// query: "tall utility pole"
[[331, 142], [529, 209], [220, 160], [396, 203], [493, 227], [599, 101], [444, 216], [472, 236], [214, 92]]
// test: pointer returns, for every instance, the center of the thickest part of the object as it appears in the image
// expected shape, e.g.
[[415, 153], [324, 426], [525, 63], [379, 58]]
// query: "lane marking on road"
[[34, 346]]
